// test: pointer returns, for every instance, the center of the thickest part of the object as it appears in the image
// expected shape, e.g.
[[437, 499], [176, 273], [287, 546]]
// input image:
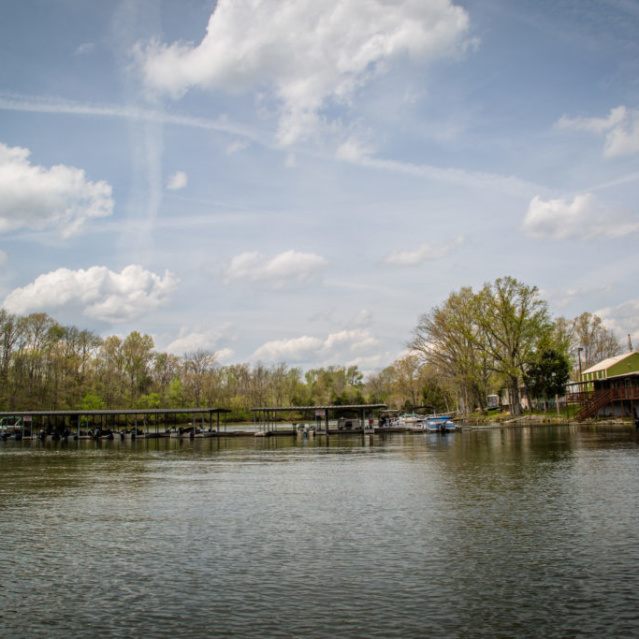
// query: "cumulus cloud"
[[623, 320], [422, 253], [177, 181], [306, 53], [562, 298], [621, 129], [291, 268], [335, 347], [98, 292], [206, 339], [584, 219], [37, 198]]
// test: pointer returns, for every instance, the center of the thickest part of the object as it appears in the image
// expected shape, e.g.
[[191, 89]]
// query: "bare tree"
[[594, 340]]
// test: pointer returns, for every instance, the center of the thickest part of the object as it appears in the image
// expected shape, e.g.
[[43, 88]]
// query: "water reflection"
[[508, 532]]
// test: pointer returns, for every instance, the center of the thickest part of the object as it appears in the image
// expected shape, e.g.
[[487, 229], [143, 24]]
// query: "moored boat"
[[439, 424]]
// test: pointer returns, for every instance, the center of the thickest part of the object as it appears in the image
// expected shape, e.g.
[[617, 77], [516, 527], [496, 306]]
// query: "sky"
[[298, 181]]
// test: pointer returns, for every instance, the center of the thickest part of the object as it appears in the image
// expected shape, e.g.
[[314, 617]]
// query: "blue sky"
[[298, 181]]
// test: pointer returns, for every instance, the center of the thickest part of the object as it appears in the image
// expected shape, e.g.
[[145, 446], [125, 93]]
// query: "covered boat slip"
[[346, 419], [144, 422]]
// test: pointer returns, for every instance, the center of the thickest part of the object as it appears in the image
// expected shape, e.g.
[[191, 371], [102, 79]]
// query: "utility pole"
[[579, 349]]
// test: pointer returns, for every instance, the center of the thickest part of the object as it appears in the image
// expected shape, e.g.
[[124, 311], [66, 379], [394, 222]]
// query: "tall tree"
[[164, 369], [378, 385], [547, 374], [594, 340], [408, 381], [137, 353], [30, 362], [197, 366], [450, 339], [110, 376], [513, 320], [10, 331]]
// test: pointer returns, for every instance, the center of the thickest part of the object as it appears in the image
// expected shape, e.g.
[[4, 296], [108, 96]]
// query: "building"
[[611, 367], [610, 389]]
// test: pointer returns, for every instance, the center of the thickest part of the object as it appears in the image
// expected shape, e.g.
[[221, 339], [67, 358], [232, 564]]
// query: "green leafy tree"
[[437, 395], [450, 339], [109, 371], [512, 321], [175, 394], [137, 354], [547, 374], [92, 402], [197, 367], [10, 331], [378, 386], [152, 400], [408, 381]]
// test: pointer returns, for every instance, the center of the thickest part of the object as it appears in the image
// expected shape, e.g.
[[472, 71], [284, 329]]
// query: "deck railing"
[[592, 401]]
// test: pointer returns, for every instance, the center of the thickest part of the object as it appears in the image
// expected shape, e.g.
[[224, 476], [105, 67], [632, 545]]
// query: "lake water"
[[502, 532]]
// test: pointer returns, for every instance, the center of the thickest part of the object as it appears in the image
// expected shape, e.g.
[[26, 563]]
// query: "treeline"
[[47, 366], [473, 345], [502, 337]]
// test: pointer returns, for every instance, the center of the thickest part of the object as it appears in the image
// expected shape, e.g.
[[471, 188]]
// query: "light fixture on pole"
[[579, 349]]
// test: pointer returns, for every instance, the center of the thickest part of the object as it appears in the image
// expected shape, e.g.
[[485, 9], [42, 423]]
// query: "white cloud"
[[224, 355], [621, 128], [623, 320], [85, 48], [336, 347], [236, 147], [361, 319], [306, 52], [177, 181], [595, 125], [424, 252], [34, 197], [584, 219], [98, 292], [354, 150], [208, 339], [562, 298], [291, 268]]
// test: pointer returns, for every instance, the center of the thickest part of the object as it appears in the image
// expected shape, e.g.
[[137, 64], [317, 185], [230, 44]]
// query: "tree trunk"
[[515, 404]]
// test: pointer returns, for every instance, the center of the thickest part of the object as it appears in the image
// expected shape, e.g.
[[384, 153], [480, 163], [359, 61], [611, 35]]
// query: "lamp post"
[[579, 349]]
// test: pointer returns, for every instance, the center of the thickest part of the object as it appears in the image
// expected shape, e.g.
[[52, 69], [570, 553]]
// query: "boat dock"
[[108, 424], [192, 423], [349, 418]]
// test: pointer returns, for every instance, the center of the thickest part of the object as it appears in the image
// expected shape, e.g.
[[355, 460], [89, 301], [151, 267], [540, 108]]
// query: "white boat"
[[439, 424]]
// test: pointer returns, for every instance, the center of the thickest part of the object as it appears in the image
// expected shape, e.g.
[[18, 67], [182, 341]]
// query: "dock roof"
[[323, 407], [116, 411]]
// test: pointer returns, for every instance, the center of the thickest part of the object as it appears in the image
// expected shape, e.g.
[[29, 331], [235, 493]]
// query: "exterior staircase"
[[597, 400]]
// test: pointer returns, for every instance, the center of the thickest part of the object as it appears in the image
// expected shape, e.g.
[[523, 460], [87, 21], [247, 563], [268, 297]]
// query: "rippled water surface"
[[486, 533]]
